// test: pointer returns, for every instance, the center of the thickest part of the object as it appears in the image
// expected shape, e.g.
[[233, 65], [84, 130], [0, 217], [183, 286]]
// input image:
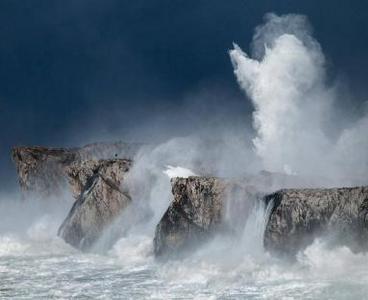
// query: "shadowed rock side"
[[301, 215], [42, 171], [199, 209], [101, 199]]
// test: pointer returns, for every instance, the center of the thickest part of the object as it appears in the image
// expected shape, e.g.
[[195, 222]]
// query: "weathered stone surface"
[[301, 215], [42, 170], [78, 174], [198, 210], [101, 199]]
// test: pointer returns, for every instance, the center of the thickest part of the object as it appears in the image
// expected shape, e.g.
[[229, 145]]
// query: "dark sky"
[[74, 71]]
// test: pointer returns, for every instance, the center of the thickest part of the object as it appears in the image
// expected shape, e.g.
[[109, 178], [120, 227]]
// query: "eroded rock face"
[[43, 171], [199, 209], [100, 185], [301, 215], [79, 172]]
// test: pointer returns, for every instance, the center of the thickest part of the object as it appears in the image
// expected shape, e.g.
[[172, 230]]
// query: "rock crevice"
[[100, 200]]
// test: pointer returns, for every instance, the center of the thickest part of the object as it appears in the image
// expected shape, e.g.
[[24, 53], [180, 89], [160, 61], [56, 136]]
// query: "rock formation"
[[301, 215], [201, 206], [198, 210], [42, 171], [205, 205], [100, 199]]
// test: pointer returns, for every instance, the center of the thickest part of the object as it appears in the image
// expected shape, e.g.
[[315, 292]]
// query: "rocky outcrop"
[[200, 208], [101, 198], [203, 206], [43, 171], [300, 215]]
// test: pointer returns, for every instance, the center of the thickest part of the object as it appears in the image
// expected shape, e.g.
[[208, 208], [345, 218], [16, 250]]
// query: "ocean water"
[[36, 264]]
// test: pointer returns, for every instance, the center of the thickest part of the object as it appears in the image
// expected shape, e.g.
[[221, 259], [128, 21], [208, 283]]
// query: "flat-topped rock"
[[201, 207], [300, 215]]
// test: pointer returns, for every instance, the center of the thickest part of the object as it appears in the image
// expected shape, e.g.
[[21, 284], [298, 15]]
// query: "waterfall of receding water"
[[253, 234]]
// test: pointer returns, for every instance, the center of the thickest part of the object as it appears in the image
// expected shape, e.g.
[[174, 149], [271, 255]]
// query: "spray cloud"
[[285, 79]]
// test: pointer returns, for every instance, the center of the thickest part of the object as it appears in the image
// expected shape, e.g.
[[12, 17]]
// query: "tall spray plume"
[[294, 108]]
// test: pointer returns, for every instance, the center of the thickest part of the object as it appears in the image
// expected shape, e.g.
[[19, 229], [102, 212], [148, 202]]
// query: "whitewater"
[[36, 264], [285, 81]]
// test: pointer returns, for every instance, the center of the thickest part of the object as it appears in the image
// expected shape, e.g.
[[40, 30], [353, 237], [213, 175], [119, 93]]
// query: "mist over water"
[[294, 133]]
